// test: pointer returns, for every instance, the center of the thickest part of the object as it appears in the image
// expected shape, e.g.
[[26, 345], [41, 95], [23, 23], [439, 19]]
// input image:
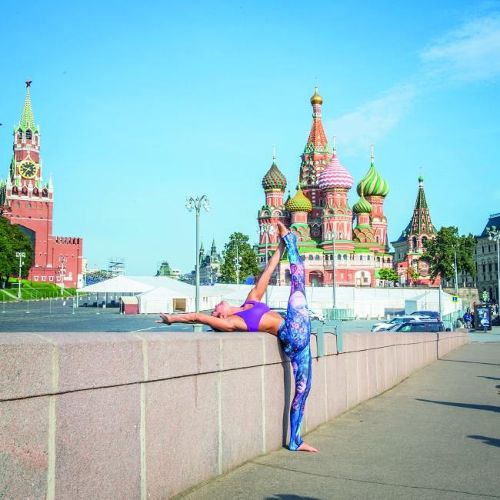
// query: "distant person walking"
[[468, 319], [253, 315]]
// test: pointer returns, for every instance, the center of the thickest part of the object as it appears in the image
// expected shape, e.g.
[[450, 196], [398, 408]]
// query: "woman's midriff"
[[270, 322]]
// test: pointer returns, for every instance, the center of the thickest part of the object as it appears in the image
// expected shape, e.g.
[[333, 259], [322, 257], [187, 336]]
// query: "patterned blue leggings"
[[295, 334]]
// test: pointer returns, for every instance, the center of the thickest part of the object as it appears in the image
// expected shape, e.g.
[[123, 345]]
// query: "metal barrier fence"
[[339, 314], [330, 328]]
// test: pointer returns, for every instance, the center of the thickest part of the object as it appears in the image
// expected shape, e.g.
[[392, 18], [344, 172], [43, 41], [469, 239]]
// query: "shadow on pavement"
[[495, 409], [487, 440], [489, 378], [465, 361]]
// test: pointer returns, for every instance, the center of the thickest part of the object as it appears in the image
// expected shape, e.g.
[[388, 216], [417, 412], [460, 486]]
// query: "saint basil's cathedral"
[[26, 200], [333, 237]]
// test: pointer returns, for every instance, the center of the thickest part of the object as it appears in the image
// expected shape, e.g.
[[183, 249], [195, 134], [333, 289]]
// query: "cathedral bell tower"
[[315, 157]]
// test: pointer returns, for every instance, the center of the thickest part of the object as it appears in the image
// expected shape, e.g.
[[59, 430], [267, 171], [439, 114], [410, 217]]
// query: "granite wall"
[[149, 415]]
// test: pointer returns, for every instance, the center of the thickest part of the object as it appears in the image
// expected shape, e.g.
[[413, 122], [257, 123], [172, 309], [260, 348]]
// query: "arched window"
[[20, 134], [310, 257], [360, 257], [345, 256], [317, 257], [339, 257], [414, 242], [28, 134]]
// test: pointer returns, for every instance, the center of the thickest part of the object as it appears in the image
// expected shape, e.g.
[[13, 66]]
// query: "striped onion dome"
[[372, 183], [362, 206], [299, 203], [335, 175], [274, 179]]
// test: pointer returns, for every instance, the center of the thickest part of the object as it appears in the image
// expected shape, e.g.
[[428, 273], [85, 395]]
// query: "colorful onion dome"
[[274, 179], [372, 183], [316, 98], [335, 175], [362, 206], [299, 203]]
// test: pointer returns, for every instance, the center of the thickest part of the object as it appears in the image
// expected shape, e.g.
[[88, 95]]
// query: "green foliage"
[[388, 274], [13, 240], [413, 273], [440, 253], [238, 245]]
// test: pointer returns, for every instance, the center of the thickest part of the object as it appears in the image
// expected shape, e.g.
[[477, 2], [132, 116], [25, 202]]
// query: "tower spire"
[[316, 141], [27, 119], [421, 219]]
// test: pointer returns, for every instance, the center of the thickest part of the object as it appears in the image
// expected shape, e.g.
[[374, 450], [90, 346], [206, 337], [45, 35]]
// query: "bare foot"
[[282, 229], [307, 447]]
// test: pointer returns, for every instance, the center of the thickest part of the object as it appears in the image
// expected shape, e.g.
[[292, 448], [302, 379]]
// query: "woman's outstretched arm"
[[220, 324]]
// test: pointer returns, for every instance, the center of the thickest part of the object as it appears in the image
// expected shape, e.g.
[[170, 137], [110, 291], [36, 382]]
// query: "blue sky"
[[144, 103]]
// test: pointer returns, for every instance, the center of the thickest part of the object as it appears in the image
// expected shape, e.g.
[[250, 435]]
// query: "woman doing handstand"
[[294, 331]]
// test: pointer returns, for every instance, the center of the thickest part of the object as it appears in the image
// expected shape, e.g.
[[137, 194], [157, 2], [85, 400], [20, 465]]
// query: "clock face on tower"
[[28, 170]]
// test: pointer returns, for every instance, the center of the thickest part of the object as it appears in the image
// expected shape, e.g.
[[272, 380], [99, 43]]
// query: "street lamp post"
[[237, 264], [332, 236], [456, 270], [267, 229], [20, 256], [196, 204], [62, 273], [494, 235]]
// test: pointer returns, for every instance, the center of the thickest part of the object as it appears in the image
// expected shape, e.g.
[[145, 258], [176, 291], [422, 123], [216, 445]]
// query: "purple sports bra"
[[253, 315]]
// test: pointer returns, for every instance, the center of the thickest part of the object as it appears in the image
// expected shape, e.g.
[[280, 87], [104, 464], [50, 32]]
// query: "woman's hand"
[[164, 319]]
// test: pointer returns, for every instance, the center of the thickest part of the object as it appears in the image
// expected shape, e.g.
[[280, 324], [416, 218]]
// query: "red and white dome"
[[335, 176]]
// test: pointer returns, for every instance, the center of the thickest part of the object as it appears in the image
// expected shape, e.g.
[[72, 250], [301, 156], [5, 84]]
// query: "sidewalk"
[[436, 435]]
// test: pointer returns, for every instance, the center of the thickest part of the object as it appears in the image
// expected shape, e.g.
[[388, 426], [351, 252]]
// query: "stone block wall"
[[150, 415]]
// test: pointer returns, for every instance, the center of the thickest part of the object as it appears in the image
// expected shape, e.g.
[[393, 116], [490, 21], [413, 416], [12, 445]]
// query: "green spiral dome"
[[362, 206], [274, 179], [299, 203], [372, 184]]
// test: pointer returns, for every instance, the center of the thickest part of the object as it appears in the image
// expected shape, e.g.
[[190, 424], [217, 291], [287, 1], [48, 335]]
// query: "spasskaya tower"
[[27, 200]]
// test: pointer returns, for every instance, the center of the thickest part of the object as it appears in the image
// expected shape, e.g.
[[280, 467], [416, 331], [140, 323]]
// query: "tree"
[[238, 246], [388, 274], [413, 274], [13, 240], [440, 251], [465, 254]]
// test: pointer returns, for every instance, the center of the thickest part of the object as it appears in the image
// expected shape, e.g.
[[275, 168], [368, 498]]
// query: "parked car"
[[420, 326], [429, 314], [314, 315], [382, 326]]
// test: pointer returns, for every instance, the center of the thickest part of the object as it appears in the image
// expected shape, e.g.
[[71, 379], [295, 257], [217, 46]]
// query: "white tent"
[[120, 284], [156, 293], [162, 299]]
